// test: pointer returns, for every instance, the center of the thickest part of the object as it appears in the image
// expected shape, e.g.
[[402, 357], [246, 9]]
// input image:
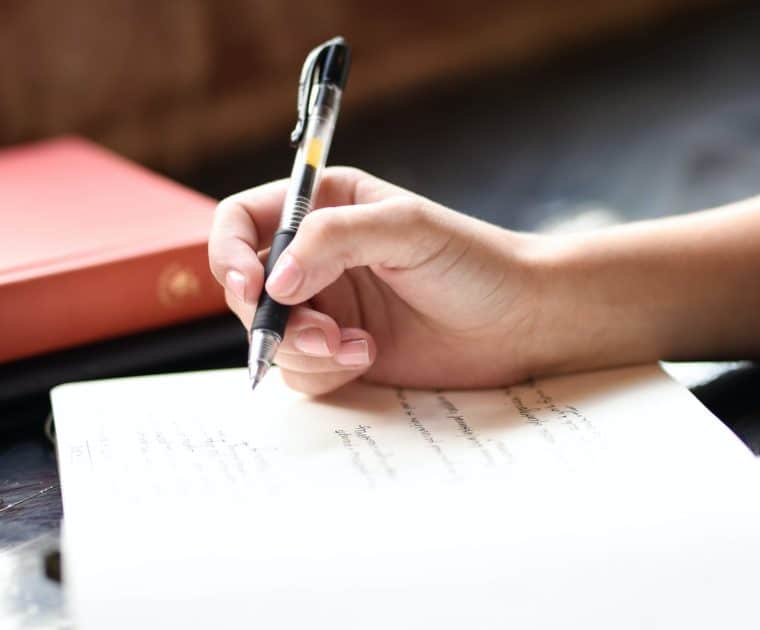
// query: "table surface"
[[658, 124]]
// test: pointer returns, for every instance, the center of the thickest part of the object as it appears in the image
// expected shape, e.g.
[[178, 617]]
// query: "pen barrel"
[[311, 156], [304, 185], [271, 315]]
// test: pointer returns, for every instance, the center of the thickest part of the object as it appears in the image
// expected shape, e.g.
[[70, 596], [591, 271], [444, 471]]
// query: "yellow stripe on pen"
[[314, 152]]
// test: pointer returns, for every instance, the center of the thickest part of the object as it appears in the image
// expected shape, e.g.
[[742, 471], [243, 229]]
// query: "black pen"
[[320, 87]]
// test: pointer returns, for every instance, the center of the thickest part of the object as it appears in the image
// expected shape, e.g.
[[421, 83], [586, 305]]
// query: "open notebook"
[[609, 499]]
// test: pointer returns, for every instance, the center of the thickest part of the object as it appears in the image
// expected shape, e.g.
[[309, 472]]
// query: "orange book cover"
[[93, 246]]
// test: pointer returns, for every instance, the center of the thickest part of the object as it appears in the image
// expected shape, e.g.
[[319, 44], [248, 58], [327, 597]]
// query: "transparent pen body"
[[311, 155], [271, 317]]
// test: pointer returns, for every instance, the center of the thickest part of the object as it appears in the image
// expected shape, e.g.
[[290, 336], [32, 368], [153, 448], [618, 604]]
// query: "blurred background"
[[533, 114], [530, 113]]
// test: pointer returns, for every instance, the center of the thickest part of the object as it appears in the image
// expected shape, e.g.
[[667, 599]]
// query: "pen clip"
[[305, 84]]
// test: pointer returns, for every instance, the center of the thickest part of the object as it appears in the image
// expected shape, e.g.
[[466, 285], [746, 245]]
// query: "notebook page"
[[296, 484], [148, 439]]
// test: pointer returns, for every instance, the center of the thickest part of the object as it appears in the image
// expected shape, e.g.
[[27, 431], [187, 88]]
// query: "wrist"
[[593, 305]]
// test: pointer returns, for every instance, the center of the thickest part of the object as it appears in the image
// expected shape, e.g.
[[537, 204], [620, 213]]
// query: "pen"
[[320, 87]]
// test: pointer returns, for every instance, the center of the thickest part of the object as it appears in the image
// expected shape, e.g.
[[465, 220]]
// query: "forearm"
[[685, 287]]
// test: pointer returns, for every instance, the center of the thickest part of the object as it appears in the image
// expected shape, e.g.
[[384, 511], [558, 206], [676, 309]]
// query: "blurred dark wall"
[[658, 121], [174, 84]]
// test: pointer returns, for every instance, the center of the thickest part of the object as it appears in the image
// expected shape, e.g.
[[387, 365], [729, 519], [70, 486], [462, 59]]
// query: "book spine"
[[98, 302]]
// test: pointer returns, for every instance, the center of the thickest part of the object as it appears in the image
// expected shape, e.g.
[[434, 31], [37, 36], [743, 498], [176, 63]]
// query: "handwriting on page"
[[361, 436], [238, 505]]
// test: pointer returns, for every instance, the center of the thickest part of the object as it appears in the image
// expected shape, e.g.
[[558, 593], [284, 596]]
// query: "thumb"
[[397, 233]]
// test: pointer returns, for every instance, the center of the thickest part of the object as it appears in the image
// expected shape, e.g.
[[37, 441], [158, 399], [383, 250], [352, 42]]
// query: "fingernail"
[[235, 282], [353, 352], [312, 341], [285, 277]]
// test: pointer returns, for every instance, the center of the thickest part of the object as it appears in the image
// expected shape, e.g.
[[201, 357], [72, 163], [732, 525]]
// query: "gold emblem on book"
[[177, 284]]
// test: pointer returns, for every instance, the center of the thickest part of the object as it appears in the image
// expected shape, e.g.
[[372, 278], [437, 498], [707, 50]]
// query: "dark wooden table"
[[659, 123]]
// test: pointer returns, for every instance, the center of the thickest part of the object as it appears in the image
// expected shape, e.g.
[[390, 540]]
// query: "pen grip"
[[271, 315]]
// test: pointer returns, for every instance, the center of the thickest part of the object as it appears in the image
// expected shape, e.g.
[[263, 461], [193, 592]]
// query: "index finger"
[[244, 224]]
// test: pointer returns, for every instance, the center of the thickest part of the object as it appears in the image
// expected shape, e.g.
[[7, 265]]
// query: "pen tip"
[[258, 374]]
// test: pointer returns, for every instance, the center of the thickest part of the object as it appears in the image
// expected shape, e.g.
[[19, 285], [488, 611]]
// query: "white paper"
[[604, 499]]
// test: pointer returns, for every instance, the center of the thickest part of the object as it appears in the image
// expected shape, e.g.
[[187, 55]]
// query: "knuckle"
[[415, 212], [347, 172], [327, 223], [224, 220], [231, 218], [310, 225], [224, 209], [404, 215]]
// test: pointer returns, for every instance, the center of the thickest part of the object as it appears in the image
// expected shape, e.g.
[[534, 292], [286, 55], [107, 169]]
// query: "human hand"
[[394, 288], [384, 284]]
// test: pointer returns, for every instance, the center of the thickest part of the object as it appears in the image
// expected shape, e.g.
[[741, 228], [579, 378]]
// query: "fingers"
[[400, 232], [318, 373], [316, 355], [245, 222]]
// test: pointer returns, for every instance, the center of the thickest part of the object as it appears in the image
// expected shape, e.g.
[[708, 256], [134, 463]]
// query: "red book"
[[93, 246]]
